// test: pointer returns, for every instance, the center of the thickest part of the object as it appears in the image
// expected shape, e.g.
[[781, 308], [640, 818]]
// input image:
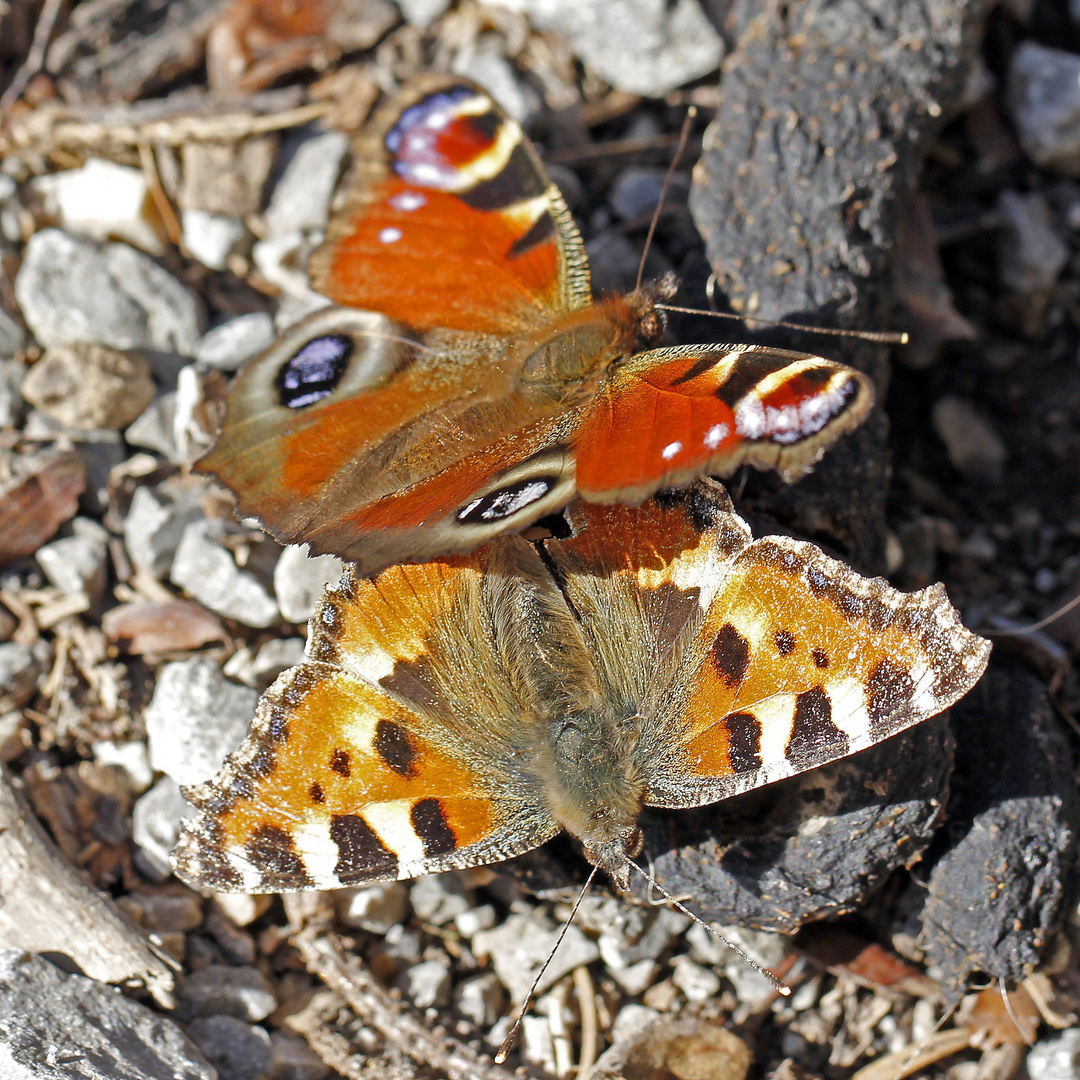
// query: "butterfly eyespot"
[[505, 502], [785, 642], [314, 371]]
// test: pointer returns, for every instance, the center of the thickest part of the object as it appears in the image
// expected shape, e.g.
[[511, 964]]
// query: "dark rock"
[[1001, 891], [237, 1050], [217, 990], [54, 1026]]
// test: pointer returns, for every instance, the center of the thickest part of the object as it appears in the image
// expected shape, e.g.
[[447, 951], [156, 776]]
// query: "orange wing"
[[671, 415], [452, 222], [382, 756]]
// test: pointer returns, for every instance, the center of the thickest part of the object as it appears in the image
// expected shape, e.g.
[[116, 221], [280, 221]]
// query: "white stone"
[[374, 908], [211, 238], [229, 346], [195, 719], [423, 12], [301, 197], [1057, 1058], [301, 579], [78, 563], [104, 201], [155, 522], [155, 826], [131, 757], [155, 428], [696, 982]]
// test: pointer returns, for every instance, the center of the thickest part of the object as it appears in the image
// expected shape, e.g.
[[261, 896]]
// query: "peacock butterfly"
[[465, 383]]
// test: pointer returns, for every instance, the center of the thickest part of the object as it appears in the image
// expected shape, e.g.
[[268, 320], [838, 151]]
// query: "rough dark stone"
[[805, 174], [1003, 887]]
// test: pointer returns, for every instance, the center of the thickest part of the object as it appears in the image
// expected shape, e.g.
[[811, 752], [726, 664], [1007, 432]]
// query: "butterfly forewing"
[[452, 221], [669, 415], [801, 661]]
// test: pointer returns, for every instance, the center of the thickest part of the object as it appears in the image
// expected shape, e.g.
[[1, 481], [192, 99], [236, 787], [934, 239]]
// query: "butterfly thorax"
[[593, 787]]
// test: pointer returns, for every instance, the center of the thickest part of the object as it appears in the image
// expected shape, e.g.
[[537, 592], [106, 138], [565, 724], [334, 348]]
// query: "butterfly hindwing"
[[452, 220], [801, 661], [382, 756], [670, 415]]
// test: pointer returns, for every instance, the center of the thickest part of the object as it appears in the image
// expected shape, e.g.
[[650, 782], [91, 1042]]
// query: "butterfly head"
[[644, 312]]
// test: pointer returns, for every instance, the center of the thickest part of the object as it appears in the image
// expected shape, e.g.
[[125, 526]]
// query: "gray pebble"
[[273, 657], [489, 68], [85, 385], [101, 451], [636, 192], [155, 825], [219, 990], [301, 197], [474, 920], [301, 579], [155, 428], [439, 898], [169, 912], [155, 522], [292, 1059], [696, 982], [12, 335], [480, 999], [1057, 1058], [195, 719], [426, 985], [375, 908], [1032, 251], [21, 666], [208, 571], [635, 978], [237, 1050], [12, 405], [646, 47], [55, 1026], [1044, 100], [211, 238], [78, 563], [229, 346], [520, 945], [974, 448], [423, 12], [71, 289]]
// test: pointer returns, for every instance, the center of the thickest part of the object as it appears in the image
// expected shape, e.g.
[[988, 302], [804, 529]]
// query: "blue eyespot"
[[315, 371]]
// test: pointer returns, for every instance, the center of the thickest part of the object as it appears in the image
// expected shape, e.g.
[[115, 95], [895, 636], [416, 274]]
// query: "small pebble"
[[474, 920], [183, 745], [84, 385], [104, 201], [375, 908], [242, 909], [537, 1046], [696, 982], [520, 945], [423, 13], [636, 192], [226, 178], [1043, 97], [169, 912], [12, 335], [237, 1050], [12, 405], [1032, 251], [133, 758], [975, 450], [282, 260], [301, 197], [273, 657], [635, 978], [646, 47], [155, 826], [488, 67], [439, 898], [217, 990], [72, 289], [154, 429], [292, 1059], [426, 985], [300, 580], [211, 238], [155, 523], [21, 668], [480, 999], [78, 563], [161, 626], [231, 344], [208, 571], [1057, 1058]]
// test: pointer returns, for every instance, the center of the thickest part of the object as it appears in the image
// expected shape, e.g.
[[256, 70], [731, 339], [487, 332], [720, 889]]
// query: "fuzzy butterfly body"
[[458, 712], [465, 384]]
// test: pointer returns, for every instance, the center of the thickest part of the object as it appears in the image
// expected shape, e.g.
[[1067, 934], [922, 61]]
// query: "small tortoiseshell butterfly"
[[458, 712], [482, 387]]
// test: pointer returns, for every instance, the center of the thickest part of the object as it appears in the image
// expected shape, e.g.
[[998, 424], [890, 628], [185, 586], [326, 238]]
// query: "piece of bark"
[[46, 907]]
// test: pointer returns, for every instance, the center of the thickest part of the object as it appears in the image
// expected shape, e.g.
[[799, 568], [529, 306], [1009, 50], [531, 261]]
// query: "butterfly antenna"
[[1007, 1002], [879, 337], [691, 113], [1032, 628], [780, 987], [508, 1042]]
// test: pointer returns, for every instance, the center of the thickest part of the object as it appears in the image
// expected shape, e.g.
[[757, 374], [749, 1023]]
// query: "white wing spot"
[[390, 235], [716, 435], [670, 450], [408, 200]]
